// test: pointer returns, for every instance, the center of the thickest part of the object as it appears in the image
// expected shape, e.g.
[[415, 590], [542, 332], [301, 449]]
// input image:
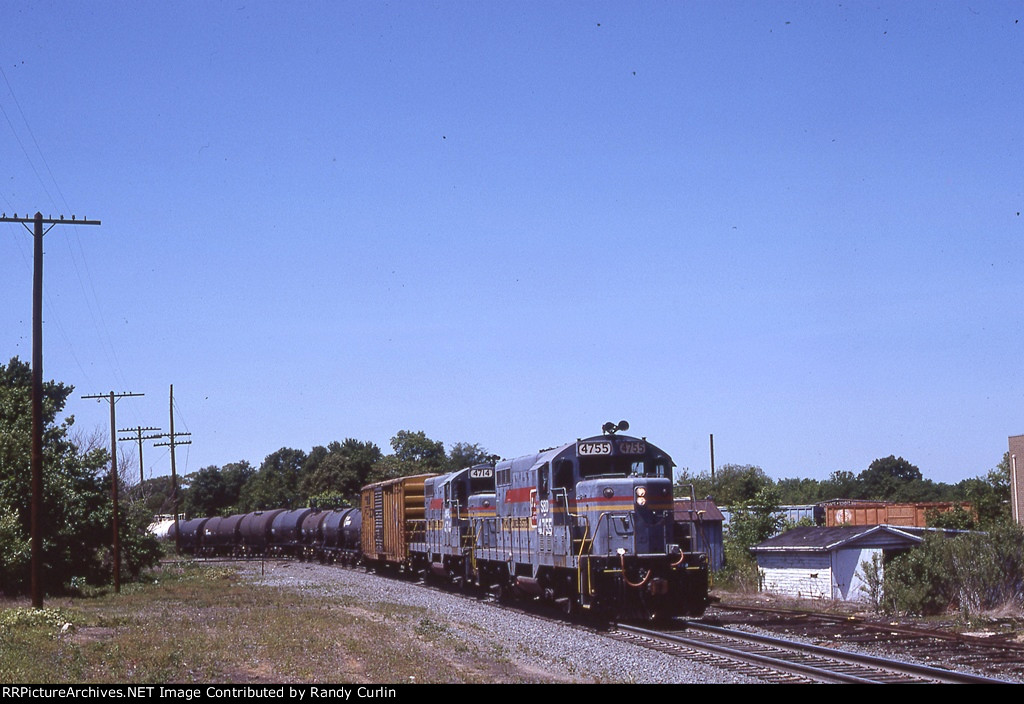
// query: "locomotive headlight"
[[641, 496]]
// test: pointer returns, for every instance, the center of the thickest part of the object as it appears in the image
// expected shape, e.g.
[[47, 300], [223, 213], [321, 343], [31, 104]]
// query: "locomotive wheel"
[[503, 593]]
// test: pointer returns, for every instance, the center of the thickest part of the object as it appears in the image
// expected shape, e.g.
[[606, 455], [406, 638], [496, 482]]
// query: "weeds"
[[197, 624]]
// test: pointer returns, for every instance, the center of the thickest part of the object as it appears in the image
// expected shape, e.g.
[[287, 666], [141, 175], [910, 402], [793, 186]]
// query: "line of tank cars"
[[588, 525]]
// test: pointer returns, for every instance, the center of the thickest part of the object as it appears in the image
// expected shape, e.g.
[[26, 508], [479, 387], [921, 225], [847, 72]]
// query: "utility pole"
[[712, 440], [37, 383], [139, 429], [114, 481], [172, 442]]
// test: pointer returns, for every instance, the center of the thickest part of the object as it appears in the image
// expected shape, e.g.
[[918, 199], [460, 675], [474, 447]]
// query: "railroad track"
[[996, 654], [778, 660], [847, 621]]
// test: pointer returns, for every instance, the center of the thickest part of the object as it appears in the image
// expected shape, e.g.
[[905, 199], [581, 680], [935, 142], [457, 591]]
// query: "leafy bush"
[[972, 573], [752, 522], [75, 506]]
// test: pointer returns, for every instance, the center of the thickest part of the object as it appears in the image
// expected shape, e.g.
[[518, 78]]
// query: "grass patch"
[[192, 624]]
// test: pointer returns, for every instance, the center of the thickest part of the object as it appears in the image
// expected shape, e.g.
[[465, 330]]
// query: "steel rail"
[[815, 671]]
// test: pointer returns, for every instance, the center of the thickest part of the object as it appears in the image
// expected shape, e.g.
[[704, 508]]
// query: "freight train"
[[587, 525]]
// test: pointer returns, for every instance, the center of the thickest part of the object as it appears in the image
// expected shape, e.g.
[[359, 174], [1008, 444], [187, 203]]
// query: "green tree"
[[343, 471], [154, 495], [216, 491], [75, 503], [841, 484], [417, 449], [799, 491], [890, 479], [464, 455], [733, 483], [277, 482], [753, 521], [990, 495], [414, 453]]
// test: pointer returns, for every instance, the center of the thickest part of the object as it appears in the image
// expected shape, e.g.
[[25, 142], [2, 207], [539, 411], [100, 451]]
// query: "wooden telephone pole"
[[172, 442], [114, 481], [37, 384]]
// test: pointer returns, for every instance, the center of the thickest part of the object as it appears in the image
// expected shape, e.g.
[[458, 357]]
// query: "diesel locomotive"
[[587, 525]]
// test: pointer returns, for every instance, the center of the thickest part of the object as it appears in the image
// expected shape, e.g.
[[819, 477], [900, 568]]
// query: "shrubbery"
[[76, 509], [752, 522], [973, 573]]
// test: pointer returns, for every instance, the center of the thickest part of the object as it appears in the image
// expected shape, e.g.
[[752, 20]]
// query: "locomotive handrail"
[[469, 541], [579, 558]]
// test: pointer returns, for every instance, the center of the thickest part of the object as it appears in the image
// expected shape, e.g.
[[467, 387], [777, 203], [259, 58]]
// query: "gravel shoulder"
[[482, 641]]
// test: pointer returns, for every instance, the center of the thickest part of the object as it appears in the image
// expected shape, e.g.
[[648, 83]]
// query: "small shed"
[[826, 562], [701, 521]]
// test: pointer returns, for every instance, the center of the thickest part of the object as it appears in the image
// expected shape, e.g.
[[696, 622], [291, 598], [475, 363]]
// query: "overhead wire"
[[91, 301]]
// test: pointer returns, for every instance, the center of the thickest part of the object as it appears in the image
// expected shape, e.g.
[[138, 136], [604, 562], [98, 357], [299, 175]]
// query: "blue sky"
[[793, 225]]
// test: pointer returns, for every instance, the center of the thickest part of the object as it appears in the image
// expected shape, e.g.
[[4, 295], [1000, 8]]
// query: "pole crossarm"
[[48, 221], [113, 396], [139, 430], [172, 442]]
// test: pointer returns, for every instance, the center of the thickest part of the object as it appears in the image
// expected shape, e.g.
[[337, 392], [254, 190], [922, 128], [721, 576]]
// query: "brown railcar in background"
[[874, 513]]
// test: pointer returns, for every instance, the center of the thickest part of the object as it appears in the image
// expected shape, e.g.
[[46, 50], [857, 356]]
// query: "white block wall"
[[804, 575]]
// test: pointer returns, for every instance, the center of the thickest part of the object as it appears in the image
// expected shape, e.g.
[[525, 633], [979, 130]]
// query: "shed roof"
[[820, 539]]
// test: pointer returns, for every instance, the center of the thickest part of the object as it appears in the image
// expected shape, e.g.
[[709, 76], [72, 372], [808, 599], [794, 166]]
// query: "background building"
[[1016, 470]]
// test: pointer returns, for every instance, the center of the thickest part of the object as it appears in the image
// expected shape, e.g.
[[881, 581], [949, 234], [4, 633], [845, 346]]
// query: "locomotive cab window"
[[563, 474], [542, 481], [650, 468]]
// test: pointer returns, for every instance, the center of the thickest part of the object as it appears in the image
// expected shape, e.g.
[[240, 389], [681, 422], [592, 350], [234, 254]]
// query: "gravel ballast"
[[541, 650]]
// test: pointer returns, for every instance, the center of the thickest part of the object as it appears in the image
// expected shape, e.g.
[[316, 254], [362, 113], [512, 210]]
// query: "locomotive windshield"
[[624, 466], [481, 479]]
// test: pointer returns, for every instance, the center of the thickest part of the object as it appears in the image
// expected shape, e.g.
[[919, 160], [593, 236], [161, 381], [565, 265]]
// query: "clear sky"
[[795, 226]]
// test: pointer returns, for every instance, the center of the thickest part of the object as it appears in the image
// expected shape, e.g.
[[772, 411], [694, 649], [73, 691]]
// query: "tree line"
[[886, 479], [326, 476]]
